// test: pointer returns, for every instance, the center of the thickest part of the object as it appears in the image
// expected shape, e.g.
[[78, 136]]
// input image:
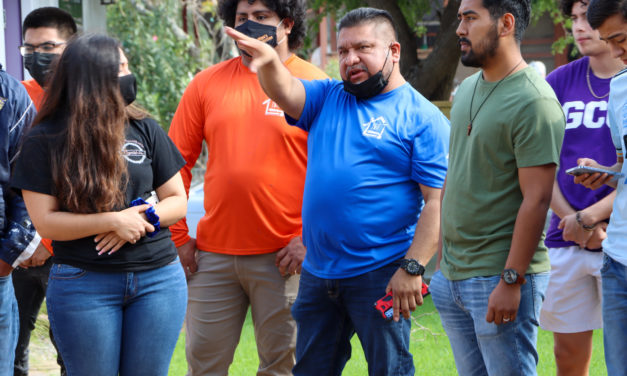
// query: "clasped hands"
[[129, 225], [574, 231]]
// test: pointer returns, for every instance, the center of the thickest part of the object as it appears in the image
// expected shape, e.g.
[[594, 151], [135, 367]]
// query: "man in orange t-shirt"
[[248, 249], [45, 31]]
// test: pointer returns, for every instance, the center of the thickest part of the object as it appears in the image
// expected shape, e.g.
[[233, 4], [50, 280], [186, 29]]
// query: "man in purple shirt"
[[572, 308]]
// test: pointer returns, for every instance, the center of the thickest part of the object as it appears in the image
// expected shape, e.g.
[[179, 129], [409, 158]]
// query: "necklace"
[[472, 118], [590, 86]]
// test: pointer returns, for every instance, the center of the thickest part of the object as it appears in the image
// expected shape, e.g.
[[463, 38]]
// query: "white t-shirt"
[[616, 243]]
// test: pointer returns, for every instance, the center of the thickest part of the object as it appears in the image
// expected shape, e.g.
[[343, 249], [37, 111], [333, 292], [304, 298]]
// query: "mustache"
[[360, 66], [463, 40]]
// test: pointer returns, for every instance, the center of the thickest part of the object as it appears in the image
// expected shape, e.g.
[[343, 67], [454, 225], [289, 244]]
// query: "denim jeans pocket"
[[607, 261], [175, 261], [64, 271]]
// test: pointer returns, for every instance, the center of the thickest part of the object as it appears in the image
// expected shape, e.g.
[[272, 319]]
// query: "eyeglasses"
[[28, 49]]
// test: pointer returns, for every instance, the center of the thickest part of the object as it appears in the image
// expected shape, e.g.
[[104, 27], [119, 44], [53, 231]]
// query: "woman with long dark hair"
[[102, 181]]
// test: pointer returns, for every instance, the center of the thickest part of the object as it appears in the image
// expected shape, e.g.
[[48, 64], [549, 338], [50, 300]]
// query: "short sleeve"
[[166, 158], [538, 133], [429, 157], [315, 92], [615, 129], [32, 170]]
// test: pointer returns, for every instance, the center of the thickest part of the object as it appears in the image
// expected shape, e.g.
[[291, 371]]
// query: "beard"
[[486, 49]]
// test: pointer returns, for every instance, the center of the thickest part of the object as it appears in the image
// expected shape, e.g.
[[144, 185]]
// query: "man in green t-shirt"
[[506, 133]]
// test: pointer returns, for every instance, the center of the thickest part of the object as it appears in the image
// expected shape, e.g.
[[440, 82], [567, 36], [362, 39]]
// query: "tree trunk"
[[433, 76]]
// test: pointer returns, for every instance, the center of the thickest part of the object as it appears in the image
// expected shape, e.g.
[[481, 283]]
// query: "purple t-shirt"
[[587, 135]]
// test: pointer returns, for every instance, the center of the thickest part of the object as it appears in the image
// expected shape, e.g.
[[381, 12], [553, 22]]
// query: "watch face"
[[510, 276], [412, 267]]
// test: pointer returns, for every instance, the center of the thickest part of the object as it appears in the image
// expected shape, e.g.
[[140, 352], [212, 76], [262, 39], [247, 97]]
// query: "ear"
[[395, 52], [507, 25], [288, 24]]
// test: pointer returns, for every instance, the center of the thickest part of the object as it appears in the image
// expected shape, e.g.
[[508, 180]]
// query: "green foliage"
[[333, 68], [551, 7], [414, 11], [164, 60]]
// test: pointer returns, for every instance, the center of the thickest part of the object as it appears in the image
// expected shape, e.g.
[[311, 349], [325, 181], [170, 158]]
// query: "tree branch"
[[409, 56]]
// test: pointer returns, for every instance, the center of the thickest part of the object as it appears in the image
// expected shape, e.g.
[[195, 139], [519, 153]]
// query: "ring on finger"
[[506, 319]]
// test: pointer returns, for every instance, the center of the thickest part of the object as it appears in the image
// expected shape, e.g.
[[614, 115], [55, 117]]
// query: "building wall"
[[93, 19]]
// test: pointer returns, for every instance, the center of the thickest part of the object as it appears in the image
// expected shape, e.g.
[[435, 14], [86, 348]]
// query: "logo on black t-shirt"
[[133, 151]]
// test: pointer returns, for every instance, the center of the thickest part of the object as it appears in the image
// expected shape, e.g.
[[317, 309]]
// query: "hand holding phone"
[[385, 304], [581, 169]]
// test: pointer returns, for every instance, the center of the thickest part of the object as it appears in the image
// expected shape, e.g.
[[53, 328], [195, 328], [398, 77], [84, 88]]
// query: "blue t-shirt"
[[615, 243], [365, 160]]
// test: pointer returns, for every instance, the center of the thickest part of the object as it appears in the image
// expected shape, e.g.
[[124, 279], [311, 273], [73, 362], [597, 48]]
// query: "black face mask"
[[128, 88], [38, 65], [259, 31], [370, 87]]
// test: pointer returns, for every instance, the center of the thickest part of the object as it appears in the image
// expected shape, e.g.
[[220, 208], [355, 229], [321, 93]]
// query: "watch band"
[[520, 279], [580, 222]]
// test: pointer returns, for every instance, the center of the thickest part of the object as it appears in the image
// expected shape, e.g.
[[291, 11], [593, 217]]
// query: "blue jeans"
[[9, 325], [482, 348], [110, 323], [614, 286], [328, 313]]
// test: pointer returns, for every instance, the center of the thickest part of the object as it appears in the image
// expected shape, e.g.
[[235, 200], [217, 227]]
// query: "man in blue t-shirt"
[[609, 17], [572, 307], [377, 156]]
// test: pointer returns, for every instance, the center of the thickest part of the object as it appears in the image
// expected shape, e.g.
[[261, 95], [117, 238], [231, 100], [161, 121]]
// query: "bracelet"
[[580, 222], [151, 215]]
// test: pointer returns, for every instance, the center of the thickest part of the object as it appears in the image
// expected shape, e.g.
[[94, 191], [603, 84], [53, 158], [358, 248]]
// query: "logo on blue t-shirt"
[[375, 127]]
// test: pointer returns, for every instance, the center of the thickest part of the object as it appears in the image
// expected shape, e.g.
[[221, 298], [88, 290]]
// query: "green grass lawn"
[[429, 345]]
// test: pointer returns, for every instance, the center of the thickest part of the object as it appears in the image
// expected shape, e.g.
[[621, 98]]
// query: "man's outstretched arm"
[[275, 79]]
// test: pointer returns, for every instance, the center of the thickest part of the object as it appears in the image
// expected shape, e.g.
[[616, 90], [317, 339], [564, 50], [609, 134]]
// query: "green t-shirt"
[[520, 125]]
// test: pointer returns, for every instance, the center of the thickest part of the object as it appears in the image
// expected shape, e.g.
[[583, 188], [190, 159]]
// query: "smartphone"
[[580, 170], [385, 304]]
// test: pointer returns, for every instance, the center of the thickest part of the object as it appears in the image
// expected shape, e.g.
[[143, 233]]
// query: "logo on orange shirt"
[[272, 108]]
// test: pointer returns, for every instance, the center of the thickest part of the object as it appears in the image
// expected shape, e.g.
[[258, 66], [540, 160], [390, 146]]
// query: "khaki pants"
[[219, 295]]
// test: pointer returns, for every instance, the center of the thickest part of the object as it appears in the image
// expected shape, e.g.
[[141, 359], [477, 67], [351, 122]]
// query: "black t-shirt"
[[152, 159]]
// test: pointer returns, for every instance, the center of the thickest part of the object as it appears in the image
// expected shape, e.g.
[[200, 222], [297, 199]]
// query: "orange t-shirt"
[[255, 175], [36, 94]]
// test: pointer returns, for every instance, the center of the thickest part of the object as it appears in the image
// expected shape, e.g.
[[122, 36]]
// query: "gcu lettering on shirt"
[[590, 115]]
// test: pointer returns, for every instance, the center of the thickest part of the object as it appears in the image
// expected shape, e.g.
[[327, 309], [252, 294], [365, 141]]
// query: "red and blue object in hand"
[[151, 215]]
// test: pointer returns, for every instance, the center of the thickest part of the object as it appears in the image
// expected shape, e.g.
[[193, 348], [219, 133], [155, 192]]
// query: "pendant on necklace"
[[469, 128]]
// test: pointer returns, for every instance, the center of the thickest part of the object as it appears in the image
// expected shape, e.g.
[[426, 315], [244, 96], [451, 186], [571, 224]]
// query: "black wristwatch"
[[412, 267], [511, 277]]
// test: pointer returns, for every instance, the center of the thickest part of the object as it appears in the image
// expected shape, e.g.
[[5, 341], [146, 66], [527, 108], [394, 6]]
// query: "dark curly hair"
[[600, 10], [567, 6], [292, 9]]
